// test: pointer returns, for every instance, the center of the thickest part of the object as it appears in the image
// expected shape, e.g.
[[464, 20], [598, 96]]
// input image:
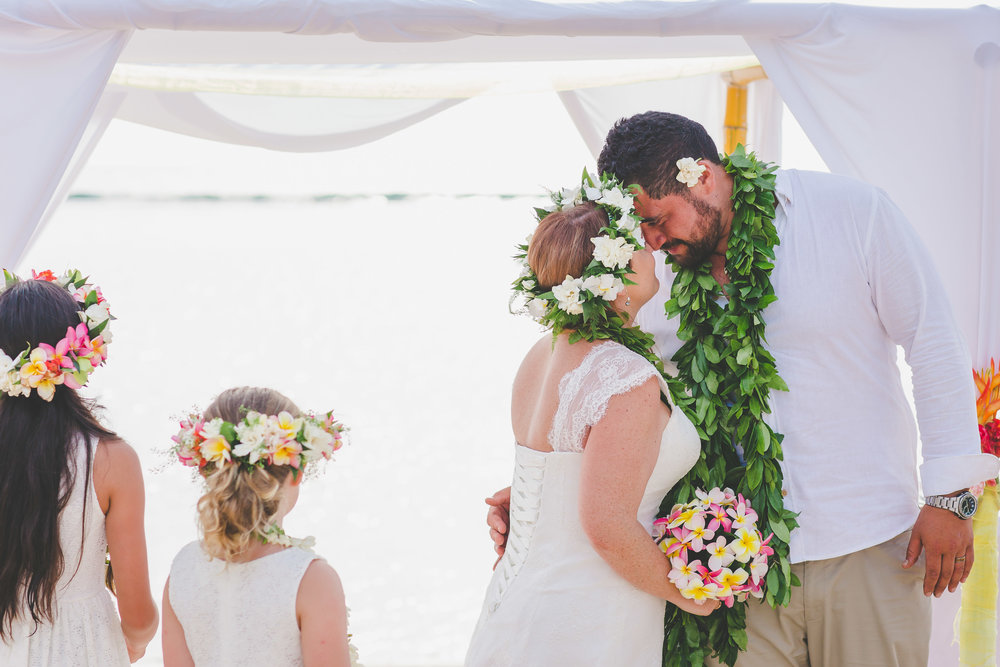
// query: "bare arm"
[[322, 616], [120, 490], [620, 454], [175, 649]]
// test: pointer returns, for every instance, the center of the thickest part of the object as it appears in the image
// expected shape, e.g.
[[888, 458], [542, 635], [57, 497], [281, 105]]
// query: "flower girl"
[[246, 593], [71, 492]]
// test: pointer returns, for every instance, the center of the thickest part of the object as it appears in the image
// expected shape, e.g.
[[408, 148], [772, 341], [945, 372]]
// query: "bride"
[[598, 445]]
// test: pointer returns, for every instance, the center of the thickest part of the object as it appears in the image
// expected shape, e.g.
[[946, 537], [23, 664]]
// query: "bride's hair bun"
[[562, 246]]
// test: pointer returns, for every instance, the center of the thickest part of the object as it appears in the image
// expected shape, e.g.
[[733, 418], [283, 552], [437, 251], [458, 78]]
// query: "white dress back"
[[239, 614], [552, 599], [85, 630]]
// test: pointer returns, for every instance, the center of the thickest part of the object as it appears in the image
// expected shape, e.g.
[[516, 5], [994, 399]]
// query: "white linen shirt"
[[853, 281]]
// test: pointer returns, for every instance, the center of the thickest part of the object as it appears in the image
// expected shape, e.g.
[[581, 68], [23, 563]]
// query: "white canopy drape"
[[906, 99]]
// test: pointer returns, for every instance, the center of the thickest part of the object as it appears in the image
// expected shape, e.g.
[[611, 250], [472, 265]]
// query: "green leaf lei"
[[725, 375]]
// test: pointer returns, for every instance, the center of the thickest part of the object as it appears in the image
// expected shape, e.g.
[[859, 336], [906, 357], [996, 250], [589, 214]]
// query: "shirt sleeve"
[[914, 309]]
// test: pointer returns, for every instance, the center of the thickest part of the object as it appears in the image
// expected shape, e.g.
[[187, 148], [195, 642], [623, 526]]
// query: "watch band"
[[963, 505]]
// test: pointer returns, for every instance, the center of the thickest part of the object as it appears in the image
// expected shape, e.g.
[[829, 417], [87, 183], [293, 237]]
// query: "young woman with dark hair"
[[71, 491]]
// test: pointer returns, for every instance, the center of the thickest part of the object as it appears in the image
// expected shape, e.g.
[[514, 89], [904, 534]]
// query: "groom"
[[853, 281]]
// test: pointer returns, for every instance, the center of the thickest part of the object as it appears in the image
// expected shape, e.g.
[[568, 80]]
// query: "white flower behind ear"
[[689, 171]]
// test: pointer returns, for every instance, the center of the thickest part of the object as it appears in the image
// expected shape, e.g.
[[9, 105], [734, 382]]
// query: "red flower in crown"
[[44, 275]]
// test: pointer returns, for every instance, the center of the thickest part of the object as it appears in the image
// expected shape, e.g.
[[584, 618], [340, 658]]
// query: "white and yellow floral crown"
[[257, 440], [71, 360], [582, 303]]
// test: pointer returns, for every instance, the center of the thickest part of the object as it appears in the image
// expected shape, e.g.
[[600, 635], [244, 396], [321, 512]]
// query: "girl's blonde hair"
[[240, 502]]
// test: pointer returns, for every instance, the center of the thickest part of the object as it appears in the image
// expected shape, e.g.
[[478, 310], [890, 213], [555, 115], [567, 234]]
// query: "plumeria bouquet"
[[257, 440], [69, 361], [716, 551]]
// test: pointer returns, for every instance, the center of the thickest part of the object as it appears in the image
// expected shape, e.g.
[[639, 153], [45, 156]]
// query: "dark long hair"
[[37, 455]]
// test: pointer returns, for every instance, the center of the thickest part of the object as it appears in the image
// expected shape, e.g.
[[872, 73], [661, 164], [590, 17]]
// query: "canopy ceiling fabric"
[[906, 99]]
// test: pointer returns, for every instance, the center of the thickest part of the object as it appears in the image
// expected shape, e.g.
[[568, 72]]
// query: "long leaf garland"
[[725, 375]]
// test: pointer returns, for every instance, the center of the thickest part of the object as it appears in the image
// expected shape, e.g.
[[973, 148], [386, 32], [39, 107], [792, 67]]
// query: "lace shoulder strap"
[[608, 369]]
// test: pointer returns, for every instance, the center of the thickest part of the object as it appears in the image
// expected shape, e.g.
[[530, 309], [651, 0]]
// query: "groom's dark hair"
[[644, 149]]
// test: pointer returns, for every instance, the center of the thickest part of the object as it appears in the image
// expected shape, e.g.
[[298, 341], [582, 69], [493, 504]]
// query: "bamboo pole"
[[735, 124]]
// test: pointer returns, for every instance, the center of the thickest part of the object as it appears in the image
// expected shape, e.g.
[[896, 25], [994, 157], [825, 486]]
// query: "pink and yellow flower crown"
[[71, 360], [257, 440]]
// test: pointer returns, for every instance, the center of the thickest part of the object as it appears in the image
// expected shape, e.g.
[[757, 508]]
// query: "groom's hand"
[[498, 519], [947, 542]]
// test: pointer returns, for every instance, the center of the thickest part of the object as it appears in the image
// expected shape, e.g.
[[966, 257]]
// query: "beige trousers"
[[858, 610]]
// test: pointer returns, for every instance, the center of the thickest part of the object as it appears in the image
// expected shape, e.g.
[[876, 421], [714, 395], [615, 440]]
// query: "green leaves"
[[228, 431], [725, 375]]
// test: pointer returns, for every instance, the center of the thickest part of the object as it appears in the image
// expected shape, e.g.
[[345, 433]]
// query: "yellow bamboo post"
[[978, 621], [735, 128], [735, 125]]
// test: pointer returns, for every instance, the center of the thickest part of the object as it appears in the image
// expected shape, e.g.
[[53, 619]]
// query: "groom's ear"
[[708, 179]]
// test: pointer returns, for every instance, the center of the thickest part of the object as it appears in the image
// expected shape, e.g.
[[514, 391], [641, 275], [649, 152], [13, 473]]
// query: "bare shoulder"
[[113, 455], [535, 360], [321, 586], [116, 468]]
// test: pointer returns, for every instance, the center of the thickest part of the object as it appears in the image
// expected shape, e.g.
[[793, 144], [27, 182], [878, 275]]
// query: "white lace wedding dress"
[[85, 630], [553, 600]]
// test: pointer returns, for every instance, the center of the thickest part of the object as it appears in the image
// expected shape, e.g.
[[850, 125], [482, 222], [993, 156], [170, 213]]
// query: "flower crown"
[[257, 440], [72, 359], [584, 303]]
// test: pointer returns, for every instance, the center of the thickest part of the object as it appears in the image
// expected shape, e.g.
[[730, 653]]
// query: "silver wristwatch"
[[964, 504]]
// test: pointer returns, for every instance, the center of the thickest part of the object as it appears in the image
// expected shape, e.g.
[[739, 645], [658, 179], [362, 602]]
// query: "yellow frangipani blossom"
[[746, 545], [727, 579], [215, 449]]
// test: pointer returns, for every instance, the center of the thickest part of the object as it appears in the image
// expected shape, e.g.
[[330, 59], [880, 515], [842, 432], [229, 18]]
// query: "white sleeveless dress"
[[85, 630], [239, 614], [553, 600]]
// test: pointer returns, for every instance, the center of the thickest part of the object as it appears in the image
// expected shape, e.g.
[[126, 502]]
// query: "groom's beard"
[[711, 232]]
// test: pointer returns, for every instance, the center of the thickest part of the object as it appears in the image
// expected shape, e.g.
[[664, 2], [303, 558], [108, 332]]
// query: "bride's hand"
[[702, 608]]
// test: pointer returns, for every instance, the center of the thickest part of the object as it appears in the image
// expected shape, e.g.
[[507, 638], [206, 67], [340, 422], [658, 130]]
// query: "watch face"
[[967, 504]]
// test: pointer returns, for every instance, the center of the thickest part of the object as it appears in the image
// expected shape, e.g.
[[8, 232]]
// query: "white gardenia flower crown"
[[579, 299]]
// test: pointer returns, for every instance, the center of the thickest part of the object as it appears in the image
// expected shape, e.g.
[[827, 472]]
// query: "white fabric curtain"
[[595, 110], [51, 81]]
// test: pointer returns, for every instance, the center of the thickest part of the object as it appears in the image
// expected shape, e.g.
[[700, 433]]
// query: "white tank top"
[[239, 614]]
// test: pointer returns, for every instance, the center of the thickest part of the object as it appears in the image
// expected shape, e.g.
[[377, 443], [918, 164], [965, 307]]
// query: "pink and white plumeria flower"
[[716, 551]]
